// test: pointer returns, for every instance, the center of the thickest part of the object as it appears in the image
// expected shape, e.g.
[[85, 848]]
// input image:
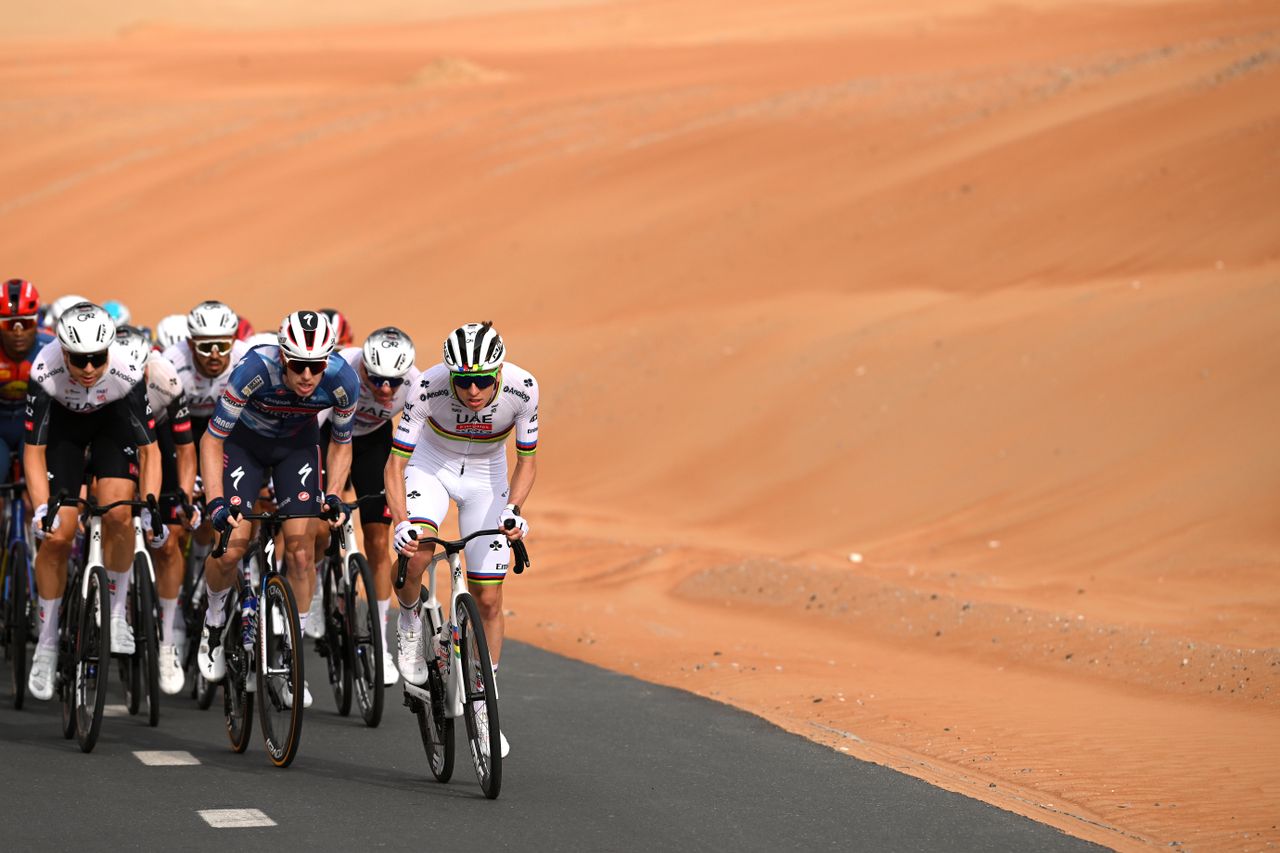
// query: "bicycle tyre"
[[435, 728], [477, 680], [336, 648], [364, 642], [91, 652], [283, 651], [237, 701], [146, 631], [17, 619], [65, 684]]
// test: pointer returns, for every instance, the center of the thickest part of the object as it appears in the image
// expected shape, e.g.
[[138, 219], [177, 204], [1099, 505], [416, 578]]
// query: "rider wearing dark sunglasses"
[[87, 392], [20, 340], [266, 419]]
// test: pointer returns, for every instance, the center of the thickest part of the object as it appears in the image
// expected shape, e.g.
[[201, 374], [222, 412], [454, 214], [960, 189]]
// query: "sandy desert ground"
[[909, 370]]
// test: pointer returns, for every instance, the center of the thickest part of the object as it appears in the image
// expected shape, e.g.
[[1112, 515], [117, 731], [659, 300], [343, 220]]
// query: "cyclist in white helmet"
[[49, 321], [266, 418], [170, 330], [87, 392], [450, 445], [387, 372]]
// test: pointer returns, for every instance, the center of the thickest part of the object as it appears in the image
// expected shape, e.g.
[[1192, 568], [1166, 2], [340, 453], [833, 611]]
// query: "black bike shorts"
[[369, 454], [294, 464]]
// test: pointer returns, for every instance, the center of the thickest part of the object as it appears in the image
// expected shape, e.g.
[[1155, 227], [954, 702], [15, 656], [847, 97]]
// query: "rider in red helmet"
[[20, 340], [346, 337], [244, 331]]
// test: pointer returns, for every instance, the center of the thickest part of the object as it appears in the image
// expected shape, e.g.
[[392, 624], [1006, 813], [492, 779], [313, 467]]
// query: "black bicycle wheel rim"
[[279, 662], [67, 629], [477, 680], [236, 699], [17, 619], [335, 649], [131, 665], [436, 729], [147, 637], [92, 651], [365, 641]]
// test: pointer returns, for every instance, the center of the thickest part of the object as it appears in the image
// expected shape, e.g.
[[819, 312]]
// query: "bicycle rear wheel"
[[364, 637], [237, 701], [333, 646], [280, 675], [480, 700], [17, 619], [91, 650], [146, 630]]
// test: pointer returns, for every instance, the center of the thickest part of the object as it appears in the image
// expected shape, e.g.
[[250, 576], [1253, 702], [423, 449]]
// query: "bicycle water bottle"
[[248, 621]]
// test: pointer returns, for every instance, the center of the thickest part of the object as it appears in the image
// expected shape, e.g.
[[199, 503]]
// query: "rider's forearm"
[[211, 466], [37, 472], [150, 462], [522, 480], [187, 469], [393, 482], [337, 467]]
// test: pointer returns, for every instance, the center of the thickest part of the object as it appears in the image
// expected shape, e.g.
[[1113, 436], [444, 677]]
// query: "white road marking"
[[115, 710], [163, 758], [235, 818]]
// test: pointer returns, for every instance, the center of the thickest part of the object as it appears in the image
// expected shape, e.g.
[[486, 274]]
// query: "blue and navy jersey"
[[256, 394], [14, 373]]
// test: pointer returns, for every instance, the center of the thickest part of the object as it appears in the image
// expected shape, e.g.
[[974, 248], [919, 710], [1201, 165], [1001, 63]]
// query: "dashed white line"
[[115, 710], [235, 818], [165, 758]]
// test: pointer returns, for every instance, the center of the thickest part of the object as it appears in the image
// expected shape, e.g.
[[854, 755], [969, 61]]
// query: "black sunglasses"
[[480, 380], [388, 381], [299, 367], [81, 360], [208, 348]]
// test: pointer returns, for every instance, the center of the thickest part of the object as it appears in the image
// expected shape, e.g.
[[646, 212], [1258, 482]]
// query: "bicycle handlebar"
[[518, 550], [93, 509], [224, 537]]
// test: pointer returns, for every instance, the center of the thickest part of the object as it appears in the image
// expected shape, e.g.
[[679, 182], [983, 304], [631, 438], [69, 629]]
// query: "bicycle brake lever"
[[157, 523], [47, 521], [402, 564]]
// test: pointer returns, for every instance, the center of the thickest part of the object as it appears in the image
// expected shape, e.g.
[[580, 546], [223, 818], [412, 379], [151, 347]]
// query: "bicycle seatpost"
[[402, 563]]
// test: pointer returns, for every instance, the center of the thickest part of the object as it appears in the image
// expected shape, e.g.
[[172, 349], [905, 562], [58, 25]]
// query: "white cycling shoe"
[[390, 675], [40, 679], [315, 616], [413, 663], [121, 636], [287, 695], [172, 678], [209, 657]]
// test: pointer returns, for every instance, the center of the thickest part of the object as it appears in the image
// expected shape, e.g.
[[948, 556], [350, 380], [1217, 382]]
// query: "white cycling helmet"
[[62, 303], [388, 353], [474, 348], [135, 341], [85, 328], [259, 339], [307, 336], [172, 329], [119, 311], [212, 319]]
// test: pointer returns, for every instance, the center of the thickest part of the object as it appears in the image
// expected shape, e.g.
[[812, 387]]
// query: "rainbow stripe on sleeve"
[[526, 448], [401, 448]]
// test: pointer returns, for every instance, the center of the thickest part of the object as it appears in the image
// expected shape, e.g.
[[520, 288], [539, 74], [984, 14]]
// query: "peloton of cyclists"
[[86, 392], [450, 446], [266, 418]]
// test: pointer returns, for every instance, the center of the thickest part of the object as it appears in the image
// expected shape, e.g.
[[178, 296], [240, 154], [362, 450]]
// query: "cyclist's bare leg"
[[299, 558], [51, 559], [220, 572], [489, 599], [117, 524], [168, 563], [377, 550]]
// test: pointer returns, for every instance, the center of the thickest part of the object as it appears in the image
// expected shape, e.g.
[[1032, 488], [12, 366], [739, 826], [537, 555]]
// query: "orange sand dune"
[[909, 370]]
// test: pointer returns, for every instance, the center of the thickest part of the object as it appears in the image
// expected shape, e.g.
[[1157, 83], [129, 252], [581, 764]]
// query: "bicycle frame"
[[454, 689]]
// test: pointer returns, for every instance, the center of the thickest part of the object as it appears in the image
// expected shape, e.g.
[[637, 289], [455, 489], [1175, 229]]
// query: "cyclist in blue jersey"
[[20, 340], [266, 420]]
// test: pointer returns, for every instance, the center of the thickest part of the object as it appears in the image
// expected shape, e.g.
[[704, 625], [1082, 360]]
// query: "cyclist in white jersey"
[[450, 445], [86, 393], [387, 374]]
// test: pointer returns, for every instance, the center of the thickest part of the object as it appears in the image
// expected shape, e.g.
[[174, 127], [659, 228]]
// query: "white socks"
[[411, 617], [215, 608], [384, 613], [168, 617], [49, 612], [118, 583]]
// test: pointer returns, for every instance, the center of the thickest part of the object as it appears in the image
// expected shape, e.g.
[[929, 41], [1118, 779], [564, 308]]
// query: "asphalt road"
[[599, 761]]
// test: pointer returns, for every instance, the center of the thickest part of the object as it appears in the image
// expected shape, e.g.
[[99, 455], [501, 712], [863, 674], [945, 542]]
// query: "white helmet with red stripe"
[[307, 336]]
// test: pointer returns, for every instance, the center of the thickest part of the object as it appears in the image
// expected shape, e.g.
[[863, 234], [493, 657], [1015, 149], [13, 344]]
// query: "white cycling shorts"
[[480, 491]]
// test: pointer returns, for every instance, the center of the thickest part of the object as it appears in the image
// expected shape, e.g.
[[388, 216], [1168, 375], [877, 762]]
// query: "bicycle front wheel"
[[333, 646], [146, 629], [17, 619], [480, 699], [364, 636], [90, 653], [280, 677]]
